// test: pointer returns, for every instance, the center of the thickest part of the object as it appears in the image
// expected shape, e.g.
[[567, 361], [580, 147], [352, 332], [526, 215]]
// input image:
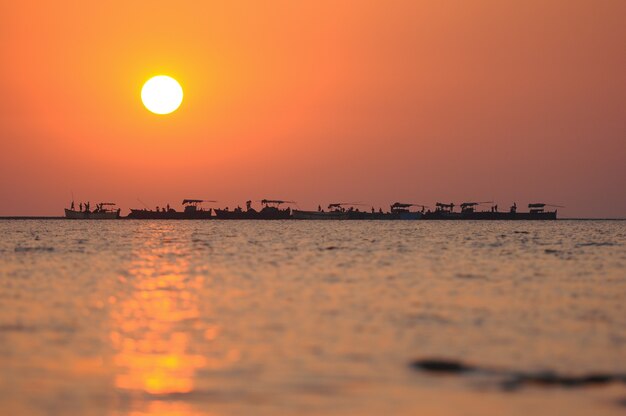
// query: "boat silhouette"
[[536, 211], [103, 211], [270, 211], [401, 211], [192, 210], [335, 212]]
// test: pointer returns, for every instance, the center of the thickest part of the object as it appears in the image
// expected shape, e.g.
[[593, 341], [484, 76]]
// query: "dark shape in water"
[[401, 211], [441, 366], [468, 212], [103, 211], [336, 211], [192, 211], [318, 215], [270, 211], [511, 380]]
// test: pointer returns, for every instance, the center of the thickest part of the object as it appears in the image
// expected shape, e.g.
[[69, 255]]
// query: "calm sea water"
[[239, 318]]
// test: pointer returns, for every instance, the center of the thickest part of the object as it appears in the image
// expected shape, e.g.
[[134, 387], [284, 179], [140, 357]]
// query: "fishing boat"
[[320, 214], [103, 211], [351, 210], [537, 211], [401, 211], [192, 210], [469, 212], [442, 211], [270, 211]]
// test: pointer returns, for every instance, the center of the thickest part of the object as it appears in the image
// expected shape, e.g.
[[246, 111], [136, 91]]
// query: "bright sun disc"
[[162, 94]]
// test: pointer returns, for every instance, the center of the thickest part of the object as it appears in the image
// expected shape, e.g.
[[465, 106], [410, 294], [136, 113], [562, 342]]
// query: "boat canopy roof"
[[339, 204], [473, 204], [108, 203], [195, 201], [440, 204], [402, 205], [275, 201], [536, 205]]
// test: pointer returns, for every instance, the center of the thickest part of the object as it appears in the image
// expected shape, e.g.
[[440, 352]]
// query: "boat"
[[270, 211], [442, 211], [333, 214], [354, 213], [350, 211], [469, 212], [192, 210], [401, 211], [536, 211], [103, 211]]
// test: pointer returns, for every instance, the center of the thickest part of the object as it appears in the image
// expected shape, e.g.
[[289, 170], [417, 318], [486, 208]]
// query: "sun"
[[162, 94]]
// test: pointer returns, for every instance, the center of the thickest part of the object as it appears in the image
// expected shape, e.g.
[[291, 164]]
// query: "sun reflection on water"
[[153, 327]]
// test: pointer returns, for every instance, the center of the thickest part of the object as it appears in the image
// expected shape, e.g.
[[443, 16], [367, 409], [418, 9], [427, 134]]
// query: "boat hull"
[[267, 213], [143, 214], [491, 216], [318, 215], [81, 215], [406, 215]]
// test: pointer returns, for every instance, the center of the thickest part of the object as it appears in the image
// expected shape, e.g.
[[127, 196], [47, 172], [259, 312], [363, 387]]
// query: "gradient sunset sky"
[[315, 101]]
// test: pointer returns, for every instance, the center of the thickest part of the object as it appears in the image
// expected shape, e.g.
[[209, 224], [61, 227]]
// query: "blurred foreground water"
[[287, 317]]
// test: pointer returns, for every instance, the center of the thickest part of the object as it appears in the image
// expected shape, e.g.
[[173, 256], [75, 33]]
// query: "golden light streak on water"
[[152, 350]]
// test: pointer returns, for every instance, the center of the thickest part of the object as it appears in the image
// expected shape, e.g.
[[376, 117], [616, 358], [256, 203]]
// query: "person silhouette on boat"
[[514, 208], [373, 210], [168, 207], [319, 208], [80, 206], [87, 206], [380, 210], [72, 206], [248, 205]]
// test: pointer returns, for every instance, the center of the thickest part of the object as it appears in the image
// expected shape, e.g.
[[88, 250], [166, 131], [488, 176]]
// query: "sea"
[[312, 317]]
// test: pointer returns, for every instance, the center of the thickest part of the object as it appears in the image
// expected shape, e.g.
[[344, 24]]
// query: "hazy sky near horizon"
[[315, 101]]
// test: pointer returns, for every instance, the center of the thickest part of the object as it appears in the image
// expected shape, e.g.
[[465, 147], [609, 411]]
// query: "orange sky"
[[315, 101]]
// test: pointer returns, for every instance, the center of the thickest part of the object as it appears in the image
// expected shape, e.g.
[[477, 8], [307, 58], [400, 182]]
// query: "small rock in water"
[[441, 366]]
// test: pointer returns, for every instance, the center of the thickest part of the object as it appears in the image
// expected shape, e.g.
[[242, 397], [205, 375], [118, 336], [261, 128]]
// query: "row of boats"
[[272, 209]]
